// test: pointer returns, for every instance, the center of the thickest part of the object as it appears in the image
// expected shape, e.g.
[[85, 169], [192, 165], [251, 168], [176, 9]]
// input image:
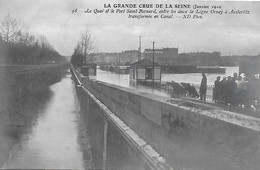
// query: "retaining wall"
[[188, 135]]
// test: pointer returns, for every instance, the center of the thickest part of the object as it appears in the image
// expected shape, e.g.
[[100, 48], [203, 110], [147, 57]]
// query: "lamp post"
[[119, 63], [140, 53], [153, 64]]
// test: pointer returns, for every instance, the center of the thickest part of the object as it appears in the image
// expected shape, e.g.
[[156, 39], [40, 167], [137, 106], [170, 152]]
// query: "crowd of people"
[[239, 90]]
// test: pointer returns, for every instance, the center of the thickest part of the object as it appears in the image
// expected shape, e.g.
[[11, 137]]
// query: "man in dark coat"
[[203, 87], [216, 90], [223, 90]]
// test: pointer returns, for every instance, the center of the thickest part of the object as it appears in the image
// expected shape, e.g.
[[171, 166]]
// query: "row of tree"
[[83, 50], [18, 46]]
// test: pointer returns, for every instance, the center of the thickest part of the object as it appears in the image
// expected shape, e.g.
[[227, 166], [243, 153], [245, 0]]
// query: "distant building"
[[125, 57], [129, 57], [232, 60], [250, 65], [164, 56], [107, 58], [199, 59]]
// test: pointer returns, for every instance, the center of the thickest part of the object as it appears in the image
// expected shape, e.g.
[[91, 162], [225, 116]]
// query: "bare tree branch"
[[10, 31], [27, 38], [84, 48], [87, 44], [44, 43]]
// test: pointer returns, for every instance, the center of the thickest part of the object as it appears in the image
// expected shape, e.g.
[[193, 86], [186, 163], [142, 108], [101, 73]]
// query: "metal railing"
[[209, 95]]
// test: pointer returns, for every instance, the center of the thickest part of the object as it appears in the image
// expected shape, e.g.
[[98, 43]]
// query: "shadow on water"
[[19, 108]]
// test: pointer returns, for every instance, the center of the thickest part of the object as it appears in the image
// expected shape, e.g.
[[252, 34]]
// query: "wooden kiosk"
[[143, 70]]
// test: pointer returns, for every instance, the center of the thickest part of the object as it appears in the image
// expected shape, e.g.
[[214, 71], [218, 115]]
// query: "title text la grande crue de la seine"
[[182, 11]]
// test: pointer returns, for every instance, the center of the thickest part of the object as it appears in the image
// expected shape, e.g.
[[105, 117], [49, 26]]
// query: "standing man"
[[216, 90], [223, 90], [203, 87]]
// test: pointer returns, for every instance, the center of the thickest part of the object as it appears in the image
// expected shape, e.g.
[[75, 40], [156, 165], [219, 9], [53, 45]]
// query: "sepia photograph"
[[130, 84]]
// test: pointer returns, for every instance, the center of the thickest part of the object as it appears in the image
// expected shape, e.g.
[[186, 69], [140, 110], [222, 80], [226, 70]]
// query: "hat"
[[243, 75]]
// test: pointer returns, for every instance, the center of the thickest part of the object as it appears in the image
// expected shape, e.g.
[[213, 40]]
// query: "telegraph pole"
[[119, 62], [153, 63], [139, 56]]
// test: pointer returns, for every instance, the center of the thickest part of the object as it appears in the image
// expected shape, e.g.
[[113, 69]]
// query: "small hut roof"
[[144, 63]]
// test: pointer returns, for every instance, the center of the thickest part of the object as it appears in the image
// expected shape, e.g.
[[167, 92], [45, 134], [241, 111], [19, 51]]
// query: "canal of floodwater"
[[44, 131]]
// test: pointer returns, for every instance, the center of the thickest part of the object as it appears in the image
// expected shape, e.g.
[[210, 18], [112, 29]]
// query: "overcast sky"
[[230, 35]]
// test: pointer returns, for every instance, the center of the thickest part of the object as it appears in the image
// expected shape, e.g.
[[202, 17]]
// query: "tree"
[[77, 57], [27, 39], [84, 47], [44, 43], [18, 46], [87, 46], [9, 30]]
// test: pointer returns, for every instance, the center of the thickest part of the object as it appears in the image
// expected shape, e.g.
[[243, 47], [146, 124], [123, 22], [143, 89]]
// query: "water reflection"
[[43, 130]]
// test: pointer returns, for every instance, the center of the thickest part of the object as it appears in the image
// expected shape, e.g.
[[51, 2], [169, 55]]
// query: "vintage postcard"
[[129, 84]]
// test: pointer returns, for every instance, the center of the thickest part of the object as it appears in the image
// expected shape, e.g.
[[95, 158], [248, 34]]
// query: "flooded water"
[[44, 131], [124, 81], [193, 78]]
